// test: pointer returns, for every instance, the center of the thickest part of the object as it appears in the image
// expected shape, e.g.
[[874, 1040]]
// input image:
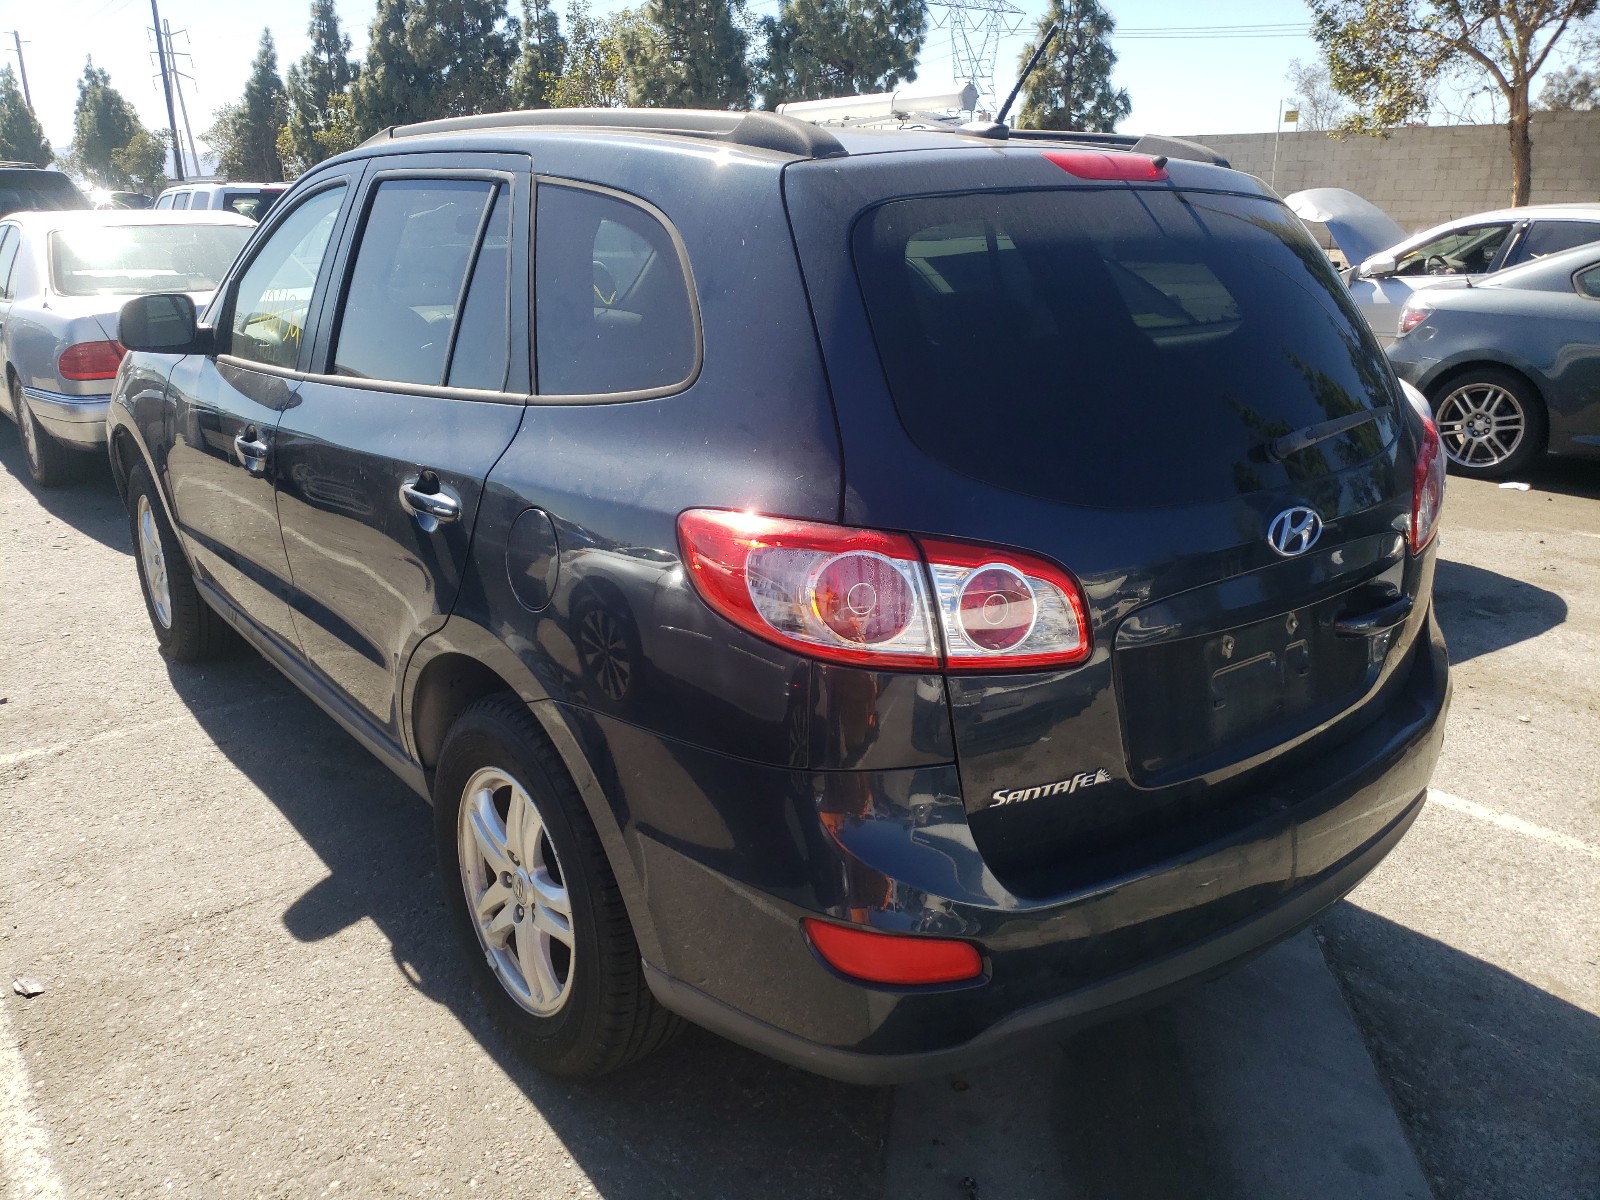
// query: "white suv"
[[247, 199]]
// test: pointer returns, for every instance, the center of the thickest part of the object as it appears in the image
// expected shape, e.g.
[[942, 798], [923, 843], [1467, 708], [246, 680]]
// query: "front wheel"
[[534, 902], [1491, 423]]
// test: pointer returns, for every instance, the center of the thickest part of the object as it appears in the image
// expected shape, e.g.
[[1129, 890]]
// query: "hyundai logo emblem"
[[1294, 531]]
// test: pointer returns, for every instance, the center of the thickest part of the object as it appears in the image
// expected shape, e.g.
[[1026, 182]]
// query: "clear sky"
[[1180, 80]]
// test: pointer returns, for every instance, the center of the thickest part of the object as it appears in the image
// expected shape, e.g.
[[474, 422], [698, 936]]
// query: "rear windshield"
[[1118, 348], [38, 191], [134, 260]]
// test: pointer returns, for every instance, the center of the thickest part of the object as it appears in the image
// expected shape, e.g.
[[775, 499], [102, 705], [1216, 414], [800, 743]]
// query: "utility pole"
[[166, 86], [178, 78], [22, 67]]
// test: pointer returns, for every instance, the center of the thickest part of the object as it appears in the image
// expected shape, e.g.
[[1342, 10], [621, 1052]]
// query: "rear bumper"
[[726, 888], [76, 420]]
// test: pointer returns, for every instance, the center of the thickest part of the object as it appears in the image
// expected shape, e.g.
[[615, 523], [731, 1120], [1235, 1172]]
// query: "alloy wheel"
[[30, 437], [1481, 425], [153, 562], [516, 891]]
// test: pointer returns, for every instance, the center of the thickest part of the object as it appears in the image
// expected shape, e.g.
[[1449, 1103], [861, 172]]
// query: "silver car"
[[64, 277]]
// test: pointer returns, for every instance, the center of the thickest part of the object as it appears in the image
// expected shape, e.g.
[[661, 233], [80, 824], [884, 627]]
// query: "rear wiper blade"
[[1280, 448]]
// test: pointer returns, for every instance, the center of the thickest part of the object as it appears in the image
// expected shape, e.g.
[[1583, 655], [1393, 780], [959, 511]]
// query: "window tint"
[[483, 344], [1552, 237], [273, 297], [1117, 349], [612, 311], [1589, 282], [1469, 251], [9, 241], [401, 302]]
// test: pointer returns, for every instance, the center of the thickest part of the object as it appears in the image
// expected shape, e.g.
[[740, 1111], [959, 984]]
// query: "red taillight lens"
[[91, 360], [1411, 317], [876, 599], [1427, 487], [1103, 164], [850, 595], [893, 958]]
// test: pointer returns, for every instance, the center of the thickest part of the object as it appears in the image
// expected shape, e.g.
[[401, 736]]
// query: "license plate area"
[[1193, 705]]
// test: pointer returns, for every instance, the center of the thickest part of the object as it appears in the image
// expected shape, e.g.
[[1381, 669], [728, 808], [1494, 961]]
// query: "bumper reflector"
[[893, 958]]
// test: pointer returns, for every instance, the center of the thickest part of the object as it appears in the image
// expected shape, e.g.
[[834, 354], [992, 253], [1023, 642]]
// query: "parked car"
[[247, 199], [64, 277], [1470, 247], [26, 188], [1510, 364], [1061, 545], [105, 199]]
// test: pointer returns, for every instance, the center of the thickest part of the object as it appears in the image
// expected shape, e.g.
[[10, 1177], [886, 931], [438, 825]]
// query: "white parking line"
[[24, 1146], [1515, 824]]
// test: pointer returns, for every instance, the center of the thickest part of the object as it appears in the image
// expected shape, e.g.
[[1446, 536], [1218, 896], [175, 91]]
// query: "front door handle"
[[1377, 620], [429, 501], [252, 451]]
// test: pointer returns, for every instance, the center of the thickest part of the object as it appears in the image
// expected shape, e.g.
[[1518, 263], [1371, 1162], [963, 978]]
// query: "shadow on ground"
[[704, 1118], [1482, 611], [90, 504], [1497, 1081], [1564, 476]]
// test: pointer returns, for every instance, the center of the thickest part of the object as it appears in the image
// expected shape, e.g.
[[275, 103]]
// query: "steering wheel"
[[1443, 268], [605, 285]]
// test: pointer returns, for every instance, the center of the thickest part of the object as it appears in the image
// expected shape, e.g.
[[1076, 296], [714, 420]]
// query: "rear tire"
[[1491, 422], [552, 953], [188, 628], [50, 464]]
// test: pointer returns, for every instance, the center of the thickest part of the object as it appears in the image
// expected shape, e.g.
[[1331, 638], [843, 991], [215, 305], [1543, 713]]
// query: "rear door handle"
[[1377, 620], [252, 450], [428, 500]]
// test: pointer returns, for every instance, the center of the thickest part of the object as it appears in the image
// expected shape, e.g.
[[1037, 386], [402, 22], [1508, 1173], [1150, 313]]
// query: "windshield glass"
[[1118, 348], [38, 191], [134, 260]]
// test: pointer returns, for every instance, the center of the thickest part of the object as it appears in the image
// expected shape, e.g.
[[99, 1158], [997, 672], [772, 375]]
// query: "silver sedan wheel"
[[30, 436], [154, 564], [1481, 425], [516, 891]]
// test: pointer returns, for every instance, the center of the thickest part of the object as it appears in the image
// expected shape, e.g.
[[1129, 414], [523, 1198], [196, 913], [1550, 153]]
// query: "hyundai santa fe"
[[883, 596]]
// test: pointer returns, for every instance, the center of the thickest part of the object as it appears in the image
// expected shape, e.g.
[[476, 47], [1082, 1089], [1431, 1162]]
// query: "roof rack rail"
[[760, 130], [7, 162], [1145, 143]]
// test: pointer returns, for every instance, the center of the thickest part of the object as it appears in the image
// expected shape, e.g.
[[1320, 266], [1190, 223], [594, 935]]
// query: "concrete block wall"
[[1426, 175]]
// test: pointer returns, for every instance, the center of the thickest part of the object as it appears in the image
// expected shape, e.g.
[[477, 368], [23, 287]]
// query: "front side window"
[[9, 241], [181, 200], [1552, 237], [273, 298], [1469, 251], [613, 311], [135, 260], [400, 308], [1588, 283]]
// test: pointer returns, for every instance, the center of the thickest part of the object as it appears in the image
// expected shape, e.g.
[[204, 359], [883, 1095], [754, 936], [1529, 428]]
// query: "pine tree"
[[1071, 86], [252, 152], [21, 136], [689, 54], [821, 48], [541, 58], [434, 58], [103, 123], [324, 71]]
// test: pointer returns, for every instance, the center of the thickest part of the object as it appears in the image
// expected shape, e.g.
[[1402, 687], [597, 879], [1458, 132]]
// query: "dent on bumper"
[[78, 420]]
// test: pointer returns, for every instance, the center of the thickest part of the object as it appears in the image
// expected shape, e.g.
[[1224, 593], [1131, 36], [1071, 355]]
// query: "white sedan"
[[64, 277]]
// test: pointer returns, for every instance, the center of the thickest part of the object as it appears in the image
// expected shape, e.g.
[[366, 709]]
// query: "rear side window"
[[613, 309], [1117, 348], [9, 243], [1588, 282], [1552, 237], [181, 200], [253, 203], [400, 307], [482, 352], [273, 297]]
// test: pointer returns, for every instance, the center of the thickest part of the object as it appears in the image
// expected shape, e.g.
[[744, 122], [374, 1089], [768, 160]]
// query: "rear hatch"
[[1134, 381]]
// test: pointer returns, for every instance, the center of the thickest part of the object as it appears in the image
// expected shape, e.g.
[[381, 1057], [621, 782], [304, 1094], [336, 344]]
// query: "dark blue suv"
[[880, 596]]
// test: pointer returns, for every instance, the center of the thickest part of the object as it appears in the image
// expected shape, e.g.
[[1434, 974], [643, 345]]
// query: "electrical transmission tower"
[[976, 27]]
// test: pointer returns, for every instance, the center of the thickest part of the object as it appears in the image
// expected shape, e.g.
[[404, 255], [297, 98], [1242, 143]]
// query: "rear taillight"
[[903, 959], [91, 360], [1427, 487], [876, 599], [1411, 316]]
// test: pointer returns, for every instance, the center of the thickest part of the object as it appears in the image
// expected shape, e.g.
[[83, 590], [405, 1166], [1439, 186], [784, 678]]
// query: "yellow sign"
[[1291, 116]]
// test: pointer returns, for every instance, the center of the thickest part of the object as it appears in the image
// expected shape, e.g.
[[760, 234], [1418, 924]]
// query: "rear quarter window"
[[1117, 348]]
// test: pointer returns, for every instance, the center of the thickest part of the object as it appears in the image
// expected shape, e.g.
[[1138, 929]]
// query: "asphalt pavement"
[[249, 988]]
